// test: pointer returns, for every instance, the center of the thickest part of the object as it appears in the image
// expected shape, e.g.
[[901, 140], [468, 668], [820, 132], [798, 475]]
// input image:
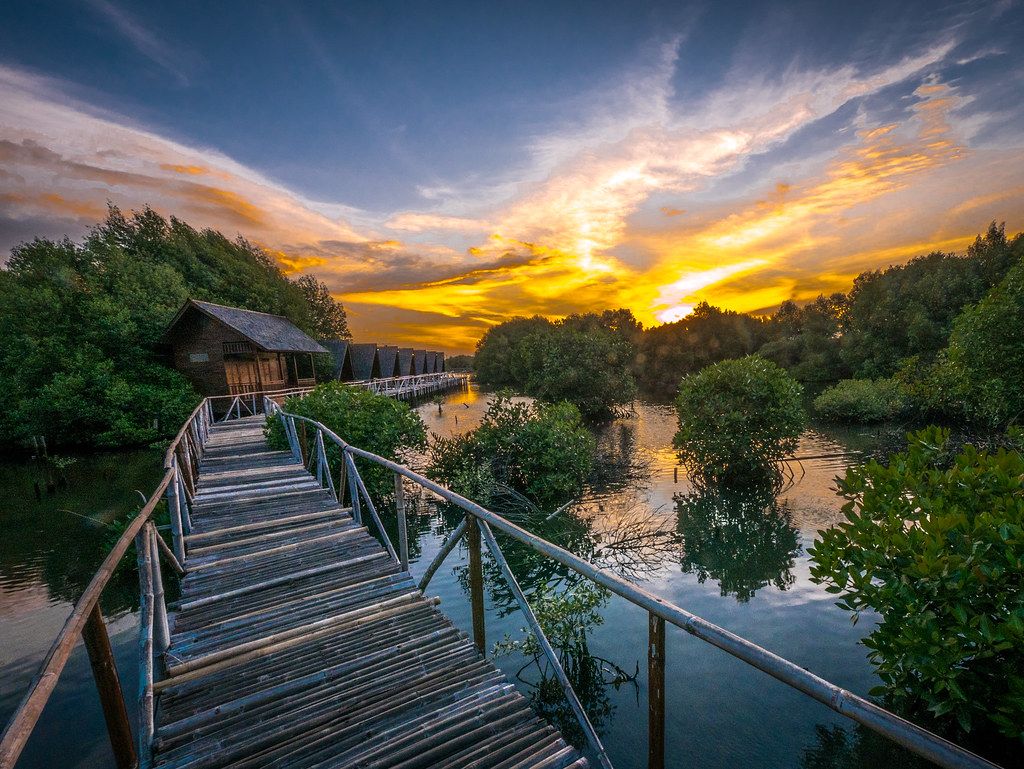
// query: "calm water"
[[741, 563]]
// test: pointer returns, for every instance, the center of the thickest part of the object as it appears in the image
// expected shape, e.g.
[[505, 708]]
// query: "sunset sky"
[[445, 166]]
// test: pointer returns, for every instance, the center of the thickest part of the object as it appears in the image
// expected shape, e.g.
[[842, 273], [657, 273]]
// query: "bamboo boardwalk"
[[299, 642]]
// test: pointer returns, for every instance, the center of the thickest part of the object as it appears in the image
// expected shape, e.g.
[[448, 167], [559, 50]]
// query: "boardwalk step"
[[298, 641]]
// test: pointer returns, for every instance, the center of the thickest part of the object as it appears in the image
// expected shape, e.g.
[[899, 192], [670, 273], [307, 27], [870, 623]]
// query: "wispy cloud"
[[626, 203], [143, 40]]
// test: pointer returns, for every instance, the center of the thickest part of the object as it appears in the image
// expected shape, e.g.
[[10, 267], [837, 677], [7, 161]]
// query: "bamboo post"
[[174, 508], [353, 491], [446, 548], [342, 474], [104, 672], [655, 692], [161, 630], [303, 447], [476, 585], [146, 714], [403, 532]]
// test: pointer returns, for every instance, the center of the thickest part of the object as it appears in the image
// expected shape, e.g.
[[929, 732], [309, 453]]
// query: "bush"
[[541, 450], [737, 419], [862, 401], [375, 423], [936, 546]]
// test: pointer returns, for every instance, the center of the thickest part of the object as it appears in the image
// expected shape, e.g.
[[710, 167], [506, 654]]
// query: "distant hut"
[[365, 363], [228, 350], [342, 359], [419, 361], [405, 361], [431, 362], [440, 362], [388, 357]]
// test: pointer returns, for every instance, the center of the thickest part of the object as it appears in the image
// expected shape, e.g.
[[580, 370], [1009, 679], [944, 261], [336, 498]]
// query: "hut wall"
[[198, 344]]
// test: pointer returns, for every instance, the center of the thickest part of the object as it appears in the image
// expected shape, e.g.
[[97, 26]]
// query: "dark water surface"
[[739, 562]]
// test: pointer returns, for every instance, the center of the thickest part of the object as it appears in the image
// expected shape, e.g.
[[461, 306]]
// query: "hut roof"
[[388, 357], [440, 362], [272, 333], [405, 361], [342, 361], [431, 364], [365, 364], [419, 361]]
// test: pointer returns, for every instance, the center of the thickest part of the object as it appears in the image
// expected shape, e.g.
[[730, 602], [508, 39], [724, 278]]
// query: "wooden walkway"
[[298, 642]]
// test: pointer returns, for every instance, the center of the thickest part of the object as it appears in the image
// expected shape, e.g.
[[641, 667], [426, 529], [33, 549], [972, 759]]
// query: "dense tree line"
[[895, 322], [79, 353], [583, 359]]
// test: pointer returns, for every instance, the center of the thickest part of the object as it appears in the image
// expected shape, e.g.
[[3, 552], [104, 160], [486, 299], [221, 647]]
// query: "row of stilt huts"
[[357, 362]]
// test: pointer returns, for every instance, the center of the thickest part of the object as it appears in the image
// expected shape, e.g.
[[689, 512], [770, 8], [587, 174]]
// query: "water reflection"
[[742, 539]]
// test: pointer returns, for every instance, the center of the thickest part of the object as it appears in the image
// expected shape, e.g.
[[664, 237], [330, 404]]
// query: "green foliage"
[[460, 363], [935, 545], [541, 450], [806, 340], [80, 354], [375, 423], [705, 336], [583, 359], [908, 310], [862, 401], [987, 351], [737, 419]]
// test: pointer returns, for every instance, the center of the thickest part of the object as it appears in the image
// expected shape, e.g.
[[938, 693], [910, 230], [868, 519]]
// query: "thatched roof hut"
[[365, 363], [419, 361], [440, 362], [388, 358], [405, 361], [431, 362], [342, 359]]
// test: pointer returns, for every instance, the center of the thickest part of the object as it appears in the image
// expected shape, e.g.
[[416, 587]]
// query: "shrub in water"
[[936, 546], [861, 401], [371, 422], [541, 450], [737, 419]]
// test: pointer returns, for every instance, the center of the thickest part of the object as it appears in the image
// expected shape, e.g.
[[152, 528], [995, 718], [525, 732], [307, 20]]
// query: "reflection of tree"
[[837, 748], [567, 617], [742, 539]]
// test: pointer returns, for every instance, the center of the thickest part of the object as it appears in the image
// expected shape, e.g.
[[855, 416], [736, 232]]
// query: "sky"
[[446, 166]]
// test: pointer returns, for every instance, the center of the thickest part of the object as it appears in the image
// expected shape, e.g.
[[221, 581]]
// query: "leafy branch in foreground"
[[935, 545]]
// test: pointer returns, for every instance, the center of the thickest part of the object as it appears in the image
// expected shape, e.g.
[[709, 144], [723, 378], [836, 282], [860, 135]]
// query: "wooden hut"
[[431, 362], [405, 361], [365, 363], [342, 359], [419, 361], [228, 350], [388, 357]]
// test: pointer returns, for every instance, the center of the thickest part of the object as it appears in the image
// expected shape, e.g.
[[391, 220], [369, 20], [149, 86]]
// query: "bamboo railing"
[[479, 521], [181, 466], [181, 461]]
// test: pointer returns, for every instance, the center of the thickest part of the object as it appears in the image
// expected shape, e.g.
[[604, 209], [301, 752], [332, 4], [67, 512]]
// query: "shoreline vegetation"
[[933, 540]]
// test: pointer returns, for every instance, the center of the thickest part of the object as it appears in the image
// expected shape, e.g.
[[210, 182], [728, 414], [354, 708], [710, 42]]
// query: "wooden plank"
[[298, 641]]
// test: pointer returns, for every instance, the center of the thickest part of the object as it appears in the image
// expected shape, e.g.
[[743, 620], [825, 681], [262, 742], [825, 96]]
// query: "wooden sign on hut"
[[228, 350]]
